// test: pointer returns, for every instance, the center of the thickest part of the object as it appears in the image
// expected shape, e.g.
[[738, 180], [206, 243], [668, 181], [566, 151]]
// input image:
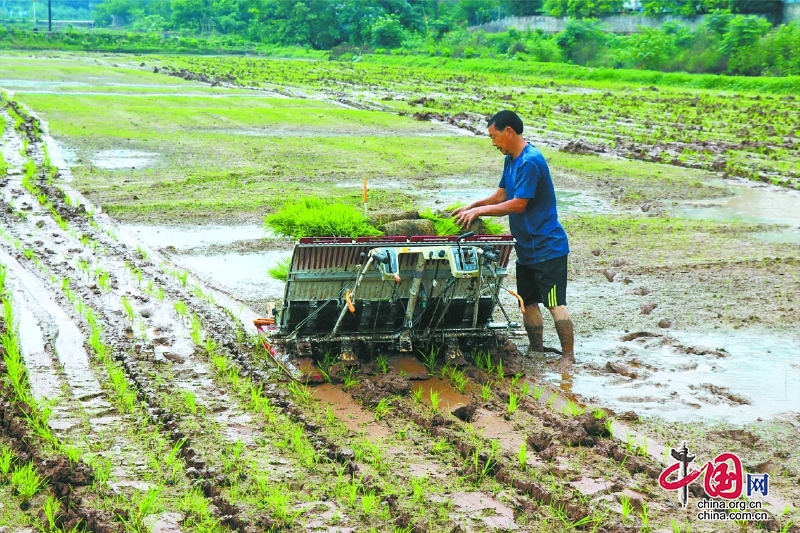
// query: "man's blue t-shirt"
[[538, 233]]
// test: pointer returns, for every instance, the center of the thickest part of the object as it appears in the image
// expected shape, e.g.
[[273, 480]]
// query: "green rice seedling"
[[183, 276], [189, 401], [492, 228], [180, 308], [486, 391], [196, 330], [26, 481], [416, 394], [126, 305], [383, 408], [442, 226], [102, 471], [104, 281], [220, 364], [644, 517], [383, 363], [513, 403], [515, 379], [609, 425], [418, 489], [143, 505], [440, 446], [278, 503], [302, 394], [314, 217], [434, 395], [72, 453], [142, 252], [160, 294], [500, 373], [349, 378], [483, 360], [6, 459], [525, 389], [370, 503], [572, 409], [42, 199], [786, 527], [281, 269], [51, 508], [522, 455], [459, 380], [483, 470], [551, 402], [627, 507], [598, 413], [429, 358]]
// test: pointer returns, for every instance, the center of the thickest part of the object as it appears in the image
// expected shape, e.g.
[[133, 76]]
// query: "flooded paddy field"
[[135, 398]]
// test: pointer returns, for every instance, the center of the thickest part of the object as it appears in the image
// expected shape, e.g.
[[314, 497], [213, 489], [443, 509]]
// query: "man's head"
[[505, 130]]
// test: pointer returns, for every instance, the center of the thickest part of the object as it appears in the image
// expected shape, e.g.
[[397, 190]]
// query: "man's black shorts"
[[544, 282]]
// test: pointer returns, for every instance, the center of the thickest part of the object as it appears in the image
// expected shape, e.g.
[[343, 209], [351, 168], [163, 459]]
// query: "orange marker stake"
[[365, 196]]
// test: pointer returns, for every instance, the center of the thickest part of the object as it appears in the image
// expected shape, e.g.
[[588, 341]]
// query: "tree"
[[191, 14], [387, 32], [582, 8], [523, 8], [120, 10]]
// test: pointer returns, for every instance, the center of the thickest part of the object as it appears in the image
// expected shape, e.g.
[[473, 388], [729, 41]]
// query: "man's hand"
[[460, 210], [465, 217]]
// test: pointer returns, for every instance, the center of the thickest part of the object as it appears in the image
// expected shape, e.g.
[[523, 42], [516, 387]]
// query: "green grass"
[[223, 158], [314, 217], [595, 77]]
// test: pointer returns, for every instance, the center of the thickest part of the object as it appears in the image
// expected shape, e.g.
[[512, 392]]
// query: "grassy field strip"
[[713, 116]]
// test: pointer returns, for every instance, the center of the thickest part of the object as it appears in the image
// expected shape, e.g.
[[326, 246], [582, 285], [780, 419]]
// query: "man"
[[527, 196]]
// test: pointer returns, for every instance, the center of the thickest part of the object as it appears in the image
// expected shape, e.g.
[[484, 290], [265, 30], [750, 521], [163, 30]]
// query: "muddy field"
[[136, 398]]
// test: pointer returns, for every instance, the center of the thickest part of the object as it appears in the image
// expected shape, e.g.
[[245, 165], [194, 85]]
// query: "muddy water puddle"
[[568, 202], [448, 398], [187, 237], [767, 205], [733, 376], [353, 415], [123, 159]]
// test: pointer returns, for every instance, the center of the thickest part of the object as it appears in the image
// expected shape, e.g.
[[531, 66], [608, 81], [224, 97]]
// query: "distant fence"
[[615, 23]]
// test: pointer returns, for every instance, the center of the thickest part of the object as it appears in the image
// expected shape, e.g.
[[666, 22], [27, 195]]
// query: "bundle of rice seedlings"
[[449, 226], [281, 270], [314, 217], [443, 226]]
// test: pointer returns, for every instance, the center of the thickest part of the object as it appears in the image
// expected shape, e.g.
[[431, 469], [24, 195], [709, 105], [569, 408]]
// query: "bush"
[[313, 217]]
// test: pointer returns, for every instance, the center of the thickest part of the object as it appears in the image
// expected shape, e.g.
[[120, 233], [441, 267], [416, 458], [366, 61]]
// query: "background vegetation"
[[731, 40]]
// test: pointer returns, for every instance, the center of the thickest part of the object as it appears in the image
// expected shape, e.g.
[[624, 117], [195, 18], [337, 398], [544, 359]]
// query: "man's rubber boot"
[[536, 338], [566, 335]]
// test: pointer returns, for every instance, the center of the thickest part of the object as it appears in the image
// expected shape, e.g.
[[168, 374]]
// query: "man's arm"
[[515, 205], [499, 196]]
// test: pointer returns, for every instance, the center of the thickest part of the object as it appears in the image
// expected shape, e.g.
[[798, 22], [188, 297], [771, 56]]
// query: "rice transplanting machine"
[[359, 297]]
